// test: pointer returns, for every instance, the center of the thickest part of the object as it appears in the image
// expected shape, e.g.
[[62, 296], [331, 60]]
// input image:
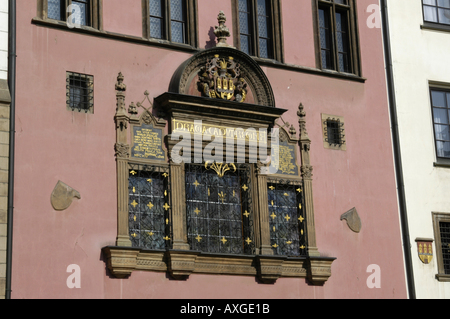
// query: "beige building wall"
[[4, 140]]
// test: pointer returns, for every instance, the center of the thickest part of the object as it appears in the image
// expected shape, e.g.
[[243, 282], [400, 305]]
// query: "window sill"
[[180, 264], [111, 35], [304, 69], [443, 277], [442, 162], [435, 27]]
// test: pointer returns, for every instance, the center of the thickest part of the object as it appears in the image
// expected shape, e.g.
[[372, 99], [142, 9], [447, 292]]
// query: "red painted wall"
[[54, 144]]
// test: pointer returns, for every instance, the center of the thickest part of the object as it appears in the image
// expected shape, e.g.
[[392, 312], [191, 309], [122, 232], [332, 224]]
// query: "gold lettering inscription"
[[230, 132], [148, 143]]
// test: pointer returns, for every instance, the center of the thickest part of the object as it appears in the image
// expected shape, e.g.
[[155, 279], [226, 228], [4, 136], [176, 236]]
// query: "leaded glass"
[[54, 10], [177, 16], [149, 207], [218, 209], [287, 220], [80, 12]]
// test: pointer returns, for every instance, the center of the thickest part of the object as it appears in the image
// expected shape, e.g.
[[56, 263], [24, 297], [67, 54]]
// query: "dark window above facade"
[[440, 101], [337, 36], [259, 31], [170, 20], [436, 11], [74, 12]]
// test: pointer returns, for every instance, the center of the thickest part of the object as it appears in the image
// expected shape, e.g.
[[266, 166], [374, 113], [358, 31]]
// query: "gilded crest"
[[425, 250], [221, 78]]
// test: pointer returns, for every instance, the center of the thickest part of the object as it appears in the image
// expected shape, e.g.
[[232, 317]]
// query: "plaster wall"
[[55, 144], [3, 39], [419, 56]]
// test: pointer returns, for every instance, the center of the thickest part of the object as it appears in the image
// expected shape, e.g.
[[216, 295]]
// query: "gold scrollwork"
[[220, 168]]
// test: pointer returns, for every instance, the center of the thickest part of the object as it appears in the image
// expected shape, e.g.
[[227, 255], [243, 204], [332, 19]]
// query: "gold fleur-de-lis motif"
[[272, 188], [165, 175], [301, 219], [166, 206], [134, 204], [287, 218], [273, 216], [150, 205], [299, 190], [197, 211], [246, 214], [222, 197], [198, 238], [275, 245], [245, 188], [167, 238], [302, 247], [289, 242], [223, 240], [197, 184], [149, 180], [220, 168], [134, 235], [133, 172], [151, 234], [248, 241]]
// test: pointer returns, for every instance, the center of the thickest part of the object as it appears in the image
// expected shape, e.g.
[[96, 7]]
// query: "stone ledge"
[[180, 264]]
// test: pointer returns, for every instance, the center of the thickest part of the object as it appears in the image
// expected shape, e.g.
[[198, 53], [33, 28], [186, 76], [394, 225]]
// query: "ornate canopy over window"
[[221, 209]]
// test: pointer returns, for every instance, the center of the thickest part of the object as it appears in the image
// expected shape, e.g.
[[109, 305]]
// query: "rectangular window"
[[440, 101], [149, 207], [287, 221], [337, 35], [333, 132], [80, 92], [218, 209], [81, 12], [441, 225], [259, 28], [436, 11], [171, 20], [444, 230]]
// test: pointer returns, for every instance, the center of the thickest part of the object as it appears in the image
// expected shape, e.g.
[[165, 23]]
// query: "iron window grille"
[[219, 208], [150, 221], [436, 11], [287, 218], [444, 228], [334, 132], [80, 92]]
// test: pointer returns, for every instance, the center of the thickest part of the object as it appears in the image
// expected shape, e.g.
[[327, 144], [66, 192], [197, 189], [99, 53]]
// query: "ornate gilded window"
[[219, 208], [230, 215], [170, 20], [287, 218], [82, 12], [259, 32], [150, 207], [337, 36]]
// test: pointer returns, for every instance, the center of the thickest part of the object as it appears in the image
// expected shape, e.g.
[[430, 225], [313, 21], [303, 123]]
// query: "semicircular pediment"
[[223, 73]]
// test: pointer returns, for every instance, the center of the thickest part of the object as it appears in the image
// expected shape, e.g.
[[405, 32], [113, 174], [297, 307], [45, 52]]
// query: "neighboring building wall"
[[4, 139], [420, 56]]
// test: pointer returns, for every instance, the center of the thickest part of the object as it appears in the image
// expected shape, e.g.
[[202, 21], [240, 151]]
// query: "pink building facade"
[[301, 57]]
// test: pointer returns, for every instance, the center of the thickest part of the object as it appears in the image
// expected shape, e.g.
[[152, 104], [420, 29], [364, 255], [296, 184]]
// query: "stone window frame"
[[354, 47], [180, 262], [191, 24], [96, 13], [277, 44], [437, 218], [343, 145]]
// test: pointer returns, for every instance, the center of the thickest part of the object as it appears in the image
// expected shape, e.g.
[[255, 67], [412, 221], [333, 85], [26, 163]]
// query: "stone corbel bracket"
[[180, 264]]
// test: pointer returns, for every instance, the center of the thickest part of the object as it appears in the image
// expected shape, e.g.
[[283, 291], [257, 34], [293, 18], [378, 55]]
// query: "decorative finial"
[[221, 31]]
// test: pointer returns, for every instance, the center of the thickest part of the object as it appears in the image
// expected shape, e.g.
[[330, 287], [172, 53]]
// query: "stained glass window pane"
[[263, 48], [156, 8], [149, 207], [245, 45], [176, 10], [177, 32], [218, 210], [80, 12], [287, 222]]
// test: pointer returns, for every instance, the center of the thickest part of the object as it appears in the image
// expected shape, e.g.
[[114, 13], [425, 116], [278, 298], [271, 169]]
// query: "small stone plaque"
[[147, 143]]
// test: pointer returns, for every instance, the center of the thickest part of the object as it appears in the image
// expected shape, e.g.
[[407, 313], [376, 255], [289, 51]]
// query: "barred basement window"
[[287, 218], [218, 208], [333, 132], [149, 207], [444, 229], [80, 92]]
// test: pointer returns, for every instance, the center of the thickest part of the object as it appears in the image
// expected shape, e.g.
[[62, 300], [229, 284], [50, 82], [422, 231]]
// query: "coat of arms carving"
[[222, 78], [425, 250]]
